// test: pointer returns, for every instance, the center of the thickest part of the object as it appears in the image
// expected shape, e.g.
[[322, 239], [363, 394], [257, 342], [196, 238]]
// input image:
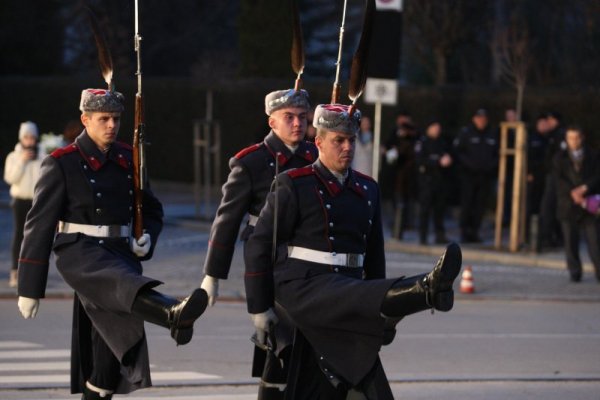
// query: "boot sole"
[[452, 263], [194, 307]]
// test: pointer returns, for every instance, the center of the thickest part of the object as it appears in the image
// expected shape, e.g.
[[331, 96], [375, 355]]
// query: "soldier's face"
[[336, 150], [102, 127], [289, 124]]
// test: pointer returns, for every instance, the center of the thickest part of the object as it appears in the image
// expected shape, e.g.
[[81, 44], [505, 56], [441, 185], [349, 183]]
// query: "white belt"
[[252, 220], [94, 230], [324, 257]]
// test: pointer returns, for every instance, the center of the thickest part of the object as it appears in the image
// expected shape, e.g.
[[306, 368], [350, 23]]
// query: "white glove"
[[28, 307], [141, 247], [263, 323], [211, 286]]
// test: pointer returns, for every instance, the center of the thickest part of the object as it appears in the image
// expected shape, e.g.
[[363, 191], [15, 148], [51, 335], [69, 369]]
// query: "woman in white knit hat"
[[21, 172]]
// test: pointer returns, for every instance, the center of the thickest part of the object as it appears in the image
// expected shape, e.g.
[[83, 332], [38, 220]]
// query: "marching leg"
[[433, 290], [177, 316]]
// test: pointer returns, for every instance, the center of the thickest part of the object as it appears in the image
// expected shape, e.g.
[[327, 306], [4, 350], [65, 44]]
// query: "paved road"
[[490, 349]]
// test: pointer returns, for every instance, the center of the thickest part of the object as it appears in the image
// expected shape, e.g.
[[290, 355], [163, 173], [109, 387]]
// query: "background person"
[[432, 155], [21, 172], [577, 174]]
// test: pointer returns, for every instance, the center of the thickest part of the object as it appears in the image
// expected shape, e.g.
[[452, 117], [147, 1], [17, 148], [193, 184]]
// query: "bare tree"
[[517, 59], [435, 28]]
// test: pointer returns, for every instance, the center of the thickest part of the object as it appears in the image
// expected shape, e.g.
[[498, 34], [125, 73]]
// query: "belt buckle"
[[352, 260], [114, 231]]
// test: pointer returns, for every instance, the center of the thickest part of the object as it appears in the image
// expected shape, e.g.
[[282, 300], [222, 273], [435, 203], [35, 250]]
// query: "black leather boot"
[[177, 316], [433, 290]]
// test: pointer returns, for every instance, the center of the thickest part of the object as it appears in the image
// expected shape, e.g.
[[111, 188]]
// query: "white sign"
[[384, 91], [395, 5]]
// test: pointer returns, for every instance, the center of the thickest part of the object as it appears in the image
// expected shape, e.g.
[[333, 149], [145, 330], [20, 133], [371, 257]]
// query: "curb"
[[486, 255]]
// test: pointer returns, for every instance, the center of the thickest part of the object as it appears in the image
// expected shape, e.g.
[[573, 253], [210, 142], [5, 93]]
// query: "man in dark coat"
[[550, 229], [432, 156], [252, 172], [331, 280], [476, 148], [86, 191], [577, 174], [399, 170]]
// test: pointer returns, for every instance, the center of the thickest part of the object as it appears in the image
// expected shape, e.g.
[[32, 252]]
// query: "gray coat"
[[80, 184]]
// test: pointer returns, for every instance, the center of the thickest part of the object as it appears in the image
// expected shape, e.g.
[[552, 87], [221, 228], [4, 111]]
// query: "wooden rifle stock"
[[138, 167]]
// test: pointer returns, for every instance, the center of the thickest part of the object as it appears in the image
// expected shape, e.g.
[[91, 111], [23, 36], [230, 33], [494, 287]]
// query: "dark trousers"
[[20, 209], [475, 190], [591, 231], [432, 200], [550, 227]]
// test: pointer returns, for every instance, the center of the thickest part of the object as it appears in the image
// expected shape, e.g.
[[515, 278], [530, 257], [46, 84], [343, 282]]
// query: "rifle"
[[335, 95], [139, 154]]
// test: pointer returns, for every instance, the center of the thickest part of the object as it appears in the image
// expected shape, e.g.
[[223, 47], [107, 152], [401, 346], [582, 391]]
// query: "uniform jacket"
[[21, 175], [251, 175], [82, 185], [567, 178], [537, 147], [428, 153], [336, 308], [477, 151]]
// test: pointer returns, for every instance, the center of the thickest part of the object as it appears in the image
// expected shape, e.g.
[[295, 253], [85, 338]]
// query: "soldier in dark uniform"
[[252, 172], [331, 280], [432, 156], [476, 148], [85, 189]]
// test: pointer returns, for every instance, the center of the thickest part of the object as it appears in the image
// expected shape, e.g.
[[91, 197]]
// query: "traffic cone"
[[466, 282]]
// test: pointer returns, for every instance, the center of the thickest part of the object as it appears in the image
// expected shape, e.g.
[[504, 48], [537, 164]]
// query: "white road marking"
[[35, 366], [17, 354], [17, 344]]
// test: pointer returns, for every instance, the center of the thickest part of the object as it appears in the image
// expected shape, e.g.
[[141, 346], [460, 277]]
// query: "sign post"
[[382, 85], [379, 91]]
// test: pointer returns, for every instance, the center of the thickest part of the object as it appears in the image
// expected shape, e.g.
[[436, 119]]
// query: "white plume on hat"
[[28, 128]]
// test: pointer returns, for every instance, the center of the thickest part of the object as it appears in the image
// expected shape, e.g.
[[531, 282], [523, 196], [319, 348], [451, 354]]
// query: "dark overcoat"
[[247, 186], [252, 172], [568, 178], [80, 184], [336, 308]]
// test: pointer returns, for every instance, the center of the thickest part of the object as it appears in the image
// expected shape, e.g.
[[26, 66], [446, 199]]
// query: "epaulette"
[[298, 172], [58, 153], [124, 145], [250, 149], [361, 175]]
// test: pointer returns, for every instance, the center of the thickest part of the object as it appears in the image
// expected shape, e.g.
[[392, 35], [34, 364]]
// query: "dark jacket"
[[428, 153], [567, 178], [477, 151], [252, 172], [80, 184]]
